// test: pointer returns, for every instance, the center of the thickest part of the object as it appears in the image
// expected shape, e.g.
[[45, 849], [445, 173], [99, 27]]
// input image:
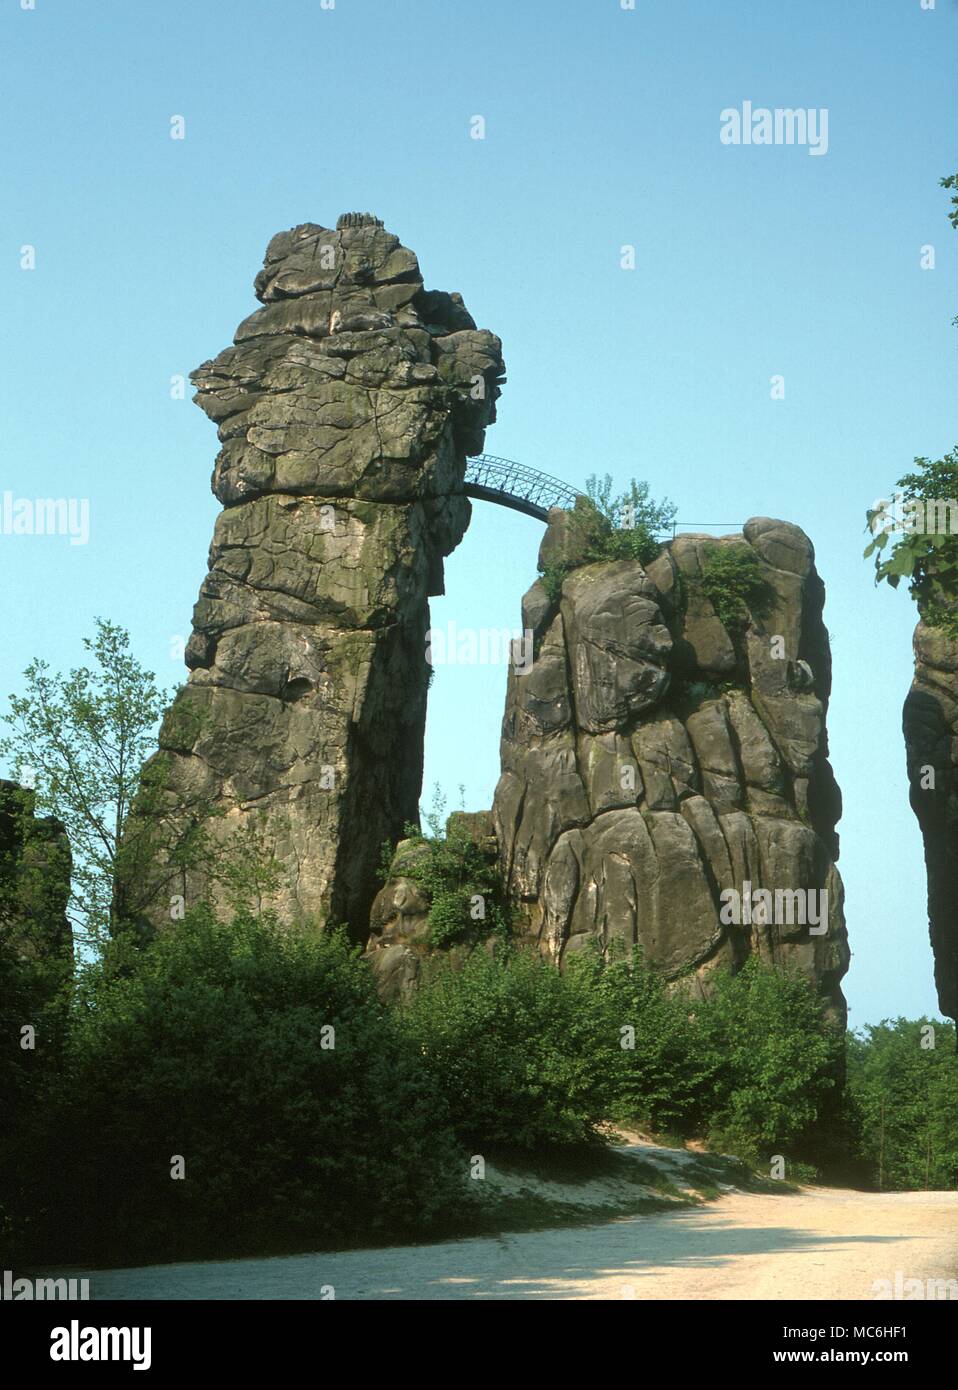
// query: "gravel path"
[[819, 1244]]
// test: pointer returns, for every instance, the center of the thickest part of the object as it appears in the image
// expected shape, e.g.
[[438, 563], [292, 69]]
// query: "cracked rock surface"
[[654, 755], [346, 408]]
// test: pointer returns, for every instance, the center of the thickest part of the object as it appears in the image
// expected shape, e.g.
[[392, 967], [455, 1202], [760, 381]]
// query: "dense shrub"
[[732, 579], [777, 1059], [34, 996], [213, 1043], [663, 1079], [519, 1053], [527, 1056], [906, 1093]]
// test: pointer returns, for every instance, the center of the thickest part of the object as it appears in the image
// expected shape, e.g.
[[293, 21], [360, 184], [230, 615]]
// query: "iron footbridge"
[[511, 484]]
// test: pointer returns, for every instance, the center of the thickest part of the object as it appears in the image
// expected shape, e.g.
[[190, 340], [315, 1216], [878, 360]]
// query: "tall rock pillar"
[[346, 408]]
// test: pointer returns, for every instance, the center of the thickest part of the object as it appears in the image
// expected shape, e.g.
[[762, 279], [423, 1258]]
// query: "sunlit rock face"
[[346, 408], [931, 739], [655, 758]]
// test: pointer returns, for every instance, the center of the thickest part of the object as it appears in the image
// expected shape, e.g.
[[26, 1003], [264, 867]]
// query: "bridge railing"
[[524, 489]]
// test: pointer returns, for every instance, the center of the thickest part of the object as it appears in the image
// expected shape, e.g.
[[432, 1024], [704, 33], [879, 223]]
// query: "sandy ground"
[[821, 1243]]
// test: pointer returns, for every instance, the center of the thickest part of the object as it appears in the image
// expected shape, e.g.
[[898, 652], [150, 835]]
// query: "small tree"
[[603, 526], [82, 739]]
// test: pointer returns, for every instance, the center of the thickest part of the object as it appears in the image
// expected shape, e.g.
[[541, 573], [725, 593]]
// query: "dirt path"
[[819, 1244]]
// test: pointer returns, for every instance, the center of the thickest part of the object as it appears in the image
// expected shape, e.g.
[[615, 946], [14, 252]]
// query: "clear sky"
[[602, 130]]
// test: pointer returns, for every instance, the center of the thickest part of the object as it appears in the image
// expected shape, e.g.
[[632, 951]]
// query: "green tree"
[[265, 1060], [778, 1063], [907, 1094], [83, 738], [608, 526]]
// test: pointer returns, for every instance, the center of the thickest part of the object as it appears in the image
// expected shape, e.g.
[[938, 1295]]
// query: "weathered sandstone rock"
[[652, 758], [346, 408]]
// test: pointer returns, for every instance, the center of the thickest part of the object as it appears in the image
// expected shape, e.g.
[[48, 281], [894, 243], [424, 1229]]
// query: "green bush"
[[603, 527], [906, 1093], [663, 1080], [777, 1059], [732, 579], [462, 883], [212, 1043], [527, 1056], [519, 1054]]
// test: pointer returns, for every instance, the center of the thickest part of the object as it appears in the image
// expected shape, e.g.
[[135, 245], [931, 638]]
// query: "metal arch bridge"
[[511, 484]]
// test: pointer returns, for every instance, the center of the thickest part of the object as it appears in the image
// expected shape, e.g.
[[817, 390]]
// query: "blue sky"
[[602, 129]]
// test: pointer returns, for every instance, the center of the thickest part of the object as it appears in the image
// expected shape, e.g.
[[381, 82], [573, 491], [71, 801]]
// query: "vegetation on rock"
[[458, 877], [733, 581], [628, 526]]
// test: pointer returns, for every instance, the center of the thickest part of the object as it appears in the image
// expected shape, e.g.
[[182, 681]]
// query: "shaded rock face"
[[346, 408], [930, 723], [35, 864], [654, 756]]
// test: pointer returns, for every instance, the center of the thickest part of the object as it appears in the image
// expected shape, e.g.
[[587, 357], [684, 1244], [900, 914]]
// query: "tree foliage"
[[906, 1092], [83, 738], [606, 526], [262, 1059], [927, 553], [732, 579]]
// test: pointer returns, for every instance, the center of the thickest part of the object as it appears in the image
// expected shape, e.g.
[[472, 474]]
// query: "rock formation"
[[35, 865], [930, 724], [346, 408], [654, 756], [400, 937]]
